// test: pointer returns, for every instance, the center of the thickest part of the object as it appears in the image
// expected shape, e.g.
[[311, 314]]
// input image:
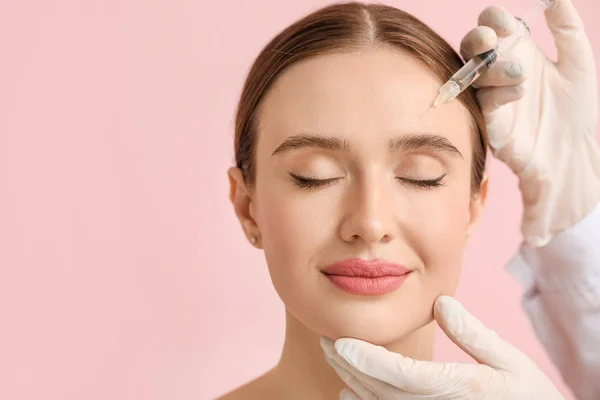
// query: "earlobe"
[[242, 203]]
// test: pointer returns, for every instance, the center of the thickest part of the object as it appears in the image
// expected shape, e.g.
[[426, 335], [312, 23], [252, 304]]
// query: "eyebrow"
[[411, 141], [313, 141], [427, 141]]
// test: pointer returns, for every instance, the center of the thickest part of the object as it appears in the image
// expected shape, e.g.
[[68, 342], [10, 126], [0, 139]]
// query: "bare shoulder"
[[253, 390]]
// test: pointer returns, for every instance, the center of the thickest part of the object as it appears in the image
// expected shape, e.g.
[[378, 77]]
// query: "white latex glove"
[[503, 372], [543, 127]]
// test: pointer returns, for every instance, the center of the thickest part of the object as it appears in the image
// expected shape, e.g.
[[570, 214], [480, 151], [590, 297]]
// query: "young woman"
[[361, 194]]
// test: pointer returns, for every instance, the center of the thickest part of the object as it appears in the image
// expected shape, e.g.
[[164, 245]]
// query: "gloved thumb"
[[574, 49], [477, 340]]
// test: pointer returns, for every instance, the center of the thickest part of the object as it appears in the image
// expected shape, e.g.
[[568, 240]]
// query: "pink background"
[[123, 271]]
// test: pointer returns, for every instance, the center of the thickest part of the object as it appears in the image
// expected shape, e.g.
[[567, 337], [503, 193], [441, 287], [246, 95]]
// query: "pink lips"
[[367, 278]]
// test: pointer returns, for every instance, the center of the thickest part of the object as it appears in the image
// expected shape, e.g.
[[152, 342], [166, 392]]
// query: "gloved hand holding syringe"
[[479, 64]]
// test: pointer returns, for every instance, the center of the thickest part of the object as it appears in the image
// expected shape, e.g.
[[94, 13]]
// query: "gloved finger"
[[347, 374], [492, 98], [499, 19], [348, 395], [351, 381], [371, 388], [574, 48], [477, 41], [477, 340], [370, 384], [508, 72], [409, 376]]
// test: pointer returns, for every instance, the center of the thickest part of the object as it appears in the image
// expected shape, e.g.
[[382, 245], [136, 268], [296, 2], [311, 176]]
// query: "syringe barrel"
[[473, 69], [478, 64]]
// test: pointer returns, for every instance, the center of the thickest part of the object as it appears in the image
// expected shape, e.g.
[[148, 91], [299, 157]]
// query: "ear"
[[477, 204], [239, 194]]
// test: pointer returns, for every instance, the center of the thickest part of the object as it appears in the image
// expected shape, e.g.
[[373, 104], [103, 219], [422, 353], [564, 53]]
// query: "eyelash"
[[425, 183], [308, 183]]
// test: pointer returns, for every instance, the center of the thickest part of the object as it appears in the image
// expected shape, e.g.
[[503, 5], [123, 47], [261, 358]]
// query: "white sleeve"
[[562, 300]]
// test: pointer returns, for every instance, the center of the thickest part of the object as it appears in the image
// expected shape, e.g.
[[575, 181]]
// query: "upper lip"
[[365, 268]]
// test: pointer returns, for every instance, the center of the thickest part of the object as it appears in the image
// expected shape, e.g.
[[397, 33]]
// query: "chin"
[[380, 324]]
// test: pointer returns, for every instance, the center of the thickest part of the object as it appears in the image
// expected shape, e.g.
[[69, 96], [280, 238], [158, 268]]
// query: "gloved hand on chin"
[[502, 372]]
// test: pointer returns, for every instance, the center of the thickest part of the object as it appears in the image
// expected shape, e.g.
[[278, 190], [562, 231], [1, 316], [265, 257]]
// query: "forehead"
[[363, 96]]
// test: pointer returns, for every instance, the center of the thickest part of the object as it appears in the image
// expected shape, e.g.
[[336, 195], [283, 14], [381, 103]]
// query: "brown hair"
[[346, 27]]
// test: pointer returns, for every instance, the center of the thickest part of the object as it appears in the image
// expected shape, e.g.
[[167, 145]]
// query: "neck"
[[303, 373]]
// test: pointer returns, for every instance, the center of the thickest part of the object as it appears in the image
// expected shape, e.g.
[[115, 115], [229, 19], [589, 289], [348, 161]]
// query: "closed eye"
[[311, 183], [423, 183]]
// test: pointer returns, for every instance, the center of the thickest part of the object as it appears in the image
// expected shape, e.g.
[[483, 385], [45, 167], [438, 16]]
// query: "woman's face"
[[347, 159]]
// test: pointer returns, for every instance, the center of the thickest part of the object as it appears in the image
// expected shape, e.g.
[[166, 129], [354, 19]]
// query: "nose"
[[369, 215]]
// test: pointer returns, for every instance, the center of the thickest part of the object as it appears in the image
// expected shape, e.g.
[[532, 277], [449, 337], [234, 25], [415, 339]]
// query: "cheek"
[[442, 219], [295, 229], [439, 224]]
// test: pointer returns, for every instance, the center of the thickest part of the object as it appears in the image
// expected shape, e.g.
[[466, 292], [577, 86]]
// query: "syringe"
[[473, 69]]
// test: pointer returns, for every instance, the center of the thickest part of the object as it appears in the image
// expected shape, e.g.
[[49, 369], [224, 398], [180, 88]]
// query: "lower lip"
[[368, 286]]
